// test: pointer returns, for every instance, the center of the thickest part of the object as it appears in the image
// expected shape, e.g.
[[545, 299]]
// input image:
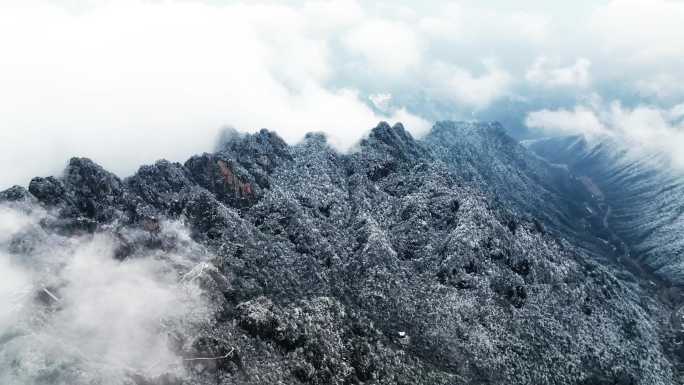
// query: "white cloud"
[[87, 324], [677, 112], [644, 30], [15, 282], [638, 44], [580, 120], [333, 14], [531, 26], [418, 126], [381, 101], [663, 86], [390, 48], [448, 24], [548, 73], [471, 89], [650, 127], [642, 128]]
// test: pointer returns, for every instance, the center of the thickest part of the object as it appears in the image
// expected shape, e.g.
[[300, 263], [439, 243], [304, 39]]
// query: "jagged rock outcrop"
[[406, 262]]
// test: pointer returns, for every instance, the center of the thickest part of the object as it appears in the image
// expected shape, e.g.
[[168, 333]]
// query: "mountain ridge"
[[407, 261]]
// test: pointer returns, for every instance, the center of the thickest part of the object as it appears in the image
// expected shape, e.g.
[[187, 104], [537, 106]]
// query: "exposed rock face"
[[407, 262]]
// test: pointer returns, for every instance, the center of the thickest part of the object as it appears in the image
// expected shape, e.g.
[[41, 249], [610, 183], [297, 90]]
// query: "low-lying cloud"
[[70, 313], [643, 127]]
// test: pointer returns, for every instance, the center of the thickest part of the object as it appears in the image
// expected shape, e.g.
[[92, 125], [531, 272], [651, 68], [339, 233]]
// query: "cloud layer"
[[66, 309], [128, 82], [642, 128]]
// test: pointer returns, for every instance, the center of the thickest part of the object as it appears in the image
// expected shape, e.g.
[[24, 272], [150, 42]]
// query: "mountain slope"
[[405, 262], [487, 157], [644, 193]]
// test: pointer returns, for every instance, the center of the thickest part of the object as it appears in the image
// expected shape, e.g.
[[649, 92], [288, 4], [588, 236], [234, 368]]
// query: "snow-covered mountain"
[[461, 258]]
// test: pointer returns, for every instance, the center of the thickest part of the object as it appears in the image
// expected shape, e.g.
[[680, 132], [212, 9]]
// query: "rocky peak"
[[232, 183], [263, 150], [16, 194], [49, 190], [389, 149], [395, 139], [89, 180]]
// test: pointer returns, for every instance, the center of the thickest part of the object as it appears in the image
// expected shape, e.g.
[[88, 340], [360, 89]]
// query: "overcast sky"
[[127, 82]]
